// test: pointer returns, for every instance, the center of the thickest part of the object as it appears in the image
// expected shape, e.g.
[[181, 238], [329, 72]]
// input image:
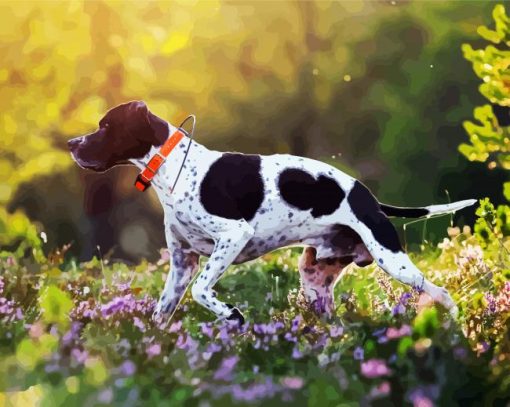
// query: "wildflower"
[[206, 329], [186, 342], [395, 333], [401, 306], [73, 334], [9, 312], [153, 350], [85, 310], [296, 354], [295, 323], [128, 368], [359, 353], [139, 324], [293, 383], [290, 338], [79, 355], [226, 368], [175, 327], [336, 331], [105, 396], [373, 368]]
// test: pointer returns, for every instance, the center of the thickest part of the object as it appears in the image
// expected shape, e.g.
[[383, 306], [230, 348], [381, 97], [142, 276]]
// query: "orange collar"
[[143, 181]]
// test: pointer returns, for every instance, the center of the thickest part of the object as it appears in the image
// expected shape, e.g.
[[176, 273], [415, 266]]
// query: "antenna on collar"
[[144, 179], [190, 136]]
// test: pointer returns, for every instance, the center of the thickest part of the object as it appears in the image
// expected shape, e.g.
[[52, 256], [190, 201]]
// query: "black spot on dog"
[[233, 187], [328, 281], [366, 208], [301, 190], [400, 212]]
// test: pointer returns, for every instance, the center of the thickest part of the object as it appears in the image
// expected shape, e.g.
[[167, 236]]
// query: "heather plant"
[[79, 334]]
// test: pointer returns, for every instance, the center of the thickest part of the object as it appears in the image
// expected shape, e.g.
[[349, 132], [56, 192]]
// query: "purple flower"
[[359, 353], [380, 335], [175, 327], [491, 304], [105, 396], [128, 368], [139, 324], [401, 306], [9, 312], [153, 350], [295, 323], [336, 331], [226, 368], [207, 329], [186, 343], [79, 355], [73, 334], [296, 354]]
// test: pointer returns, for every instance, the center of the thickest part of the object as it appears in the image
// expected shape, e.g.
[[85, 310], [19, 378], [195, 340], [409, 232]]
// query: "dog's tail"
[[430, 210]]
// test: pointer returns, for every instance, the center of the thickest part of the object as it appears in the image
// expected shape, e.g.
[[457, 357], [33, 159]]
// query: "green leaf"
[[426, 322], [506, 190], [489, 35], [55, 306]]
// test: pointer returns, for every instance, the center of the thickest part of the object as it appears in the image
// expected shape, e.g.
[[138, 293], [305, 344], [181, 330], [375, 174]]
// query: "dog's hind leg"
[[318, 278], [183, 268], [381, 239]]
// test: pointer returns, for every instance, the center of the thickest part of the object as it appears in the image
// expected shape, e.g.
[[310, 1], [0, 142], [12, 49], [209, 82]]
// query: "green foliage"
[[490, 137], [492, 224], [55, 306], [90, 336]]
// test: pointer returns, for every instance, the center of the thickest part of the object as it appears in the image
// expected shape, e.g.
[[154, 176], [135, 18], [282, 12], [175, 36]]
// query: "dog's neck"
[[165, 177]]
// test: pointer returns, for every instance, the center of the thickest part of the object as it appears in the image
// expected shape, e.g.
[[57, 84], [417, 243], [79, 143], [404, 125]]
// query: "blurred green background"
[[378, 88]]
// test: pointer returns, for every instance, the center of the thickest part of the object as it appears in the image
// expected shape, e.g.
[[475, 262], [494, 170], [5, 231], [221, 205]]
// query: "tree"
[[489, 136]]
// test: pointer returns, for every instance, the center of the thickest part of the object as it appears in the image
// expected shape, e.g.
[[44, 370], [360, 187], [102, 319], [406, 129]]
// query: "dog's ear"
[[159, 127]]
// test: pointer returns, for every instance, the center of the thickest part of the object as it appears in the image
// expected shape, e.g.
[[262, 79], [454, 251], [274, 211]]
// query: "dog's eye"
[[104, 125]]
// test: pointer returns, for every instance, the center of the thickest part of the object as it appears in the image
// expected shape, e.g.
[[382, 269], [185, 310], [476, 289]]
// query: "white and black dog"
[[235, 207]]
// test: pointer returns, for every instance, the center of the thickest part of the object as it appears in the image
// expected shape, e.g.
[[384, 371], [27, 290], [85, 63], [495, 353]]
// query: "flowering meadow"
[[82, 334]]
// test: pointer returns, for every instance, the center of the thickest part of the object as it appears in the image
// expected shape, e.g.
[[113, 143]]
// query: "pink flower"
[[422, 401], [293, 383], [395, 333], [153, 350], [373, 368]]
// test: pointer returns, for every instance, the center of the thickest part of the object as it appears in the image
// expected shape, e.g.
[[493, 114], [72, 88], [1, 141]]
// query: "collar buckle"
[[141, 183]]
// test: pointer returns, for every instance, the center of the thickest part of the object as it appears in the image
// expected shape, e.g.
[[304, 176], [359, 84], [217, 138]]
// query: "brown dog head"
[[126, 132]]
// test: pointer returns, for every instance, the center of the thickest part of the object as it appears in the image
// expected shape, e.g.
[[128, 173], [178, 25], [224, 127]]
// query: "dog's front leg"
[[230, 238], [183, 267]]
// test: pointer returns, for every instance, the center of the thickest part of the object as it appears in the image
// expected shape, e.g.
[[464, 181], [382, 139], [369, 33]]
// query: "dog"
[[234, 207]]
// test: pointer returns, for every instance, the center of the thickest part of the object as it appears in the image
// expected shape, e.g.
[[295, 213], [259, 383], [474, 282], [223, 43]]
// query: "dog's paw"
[[235, 315]]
